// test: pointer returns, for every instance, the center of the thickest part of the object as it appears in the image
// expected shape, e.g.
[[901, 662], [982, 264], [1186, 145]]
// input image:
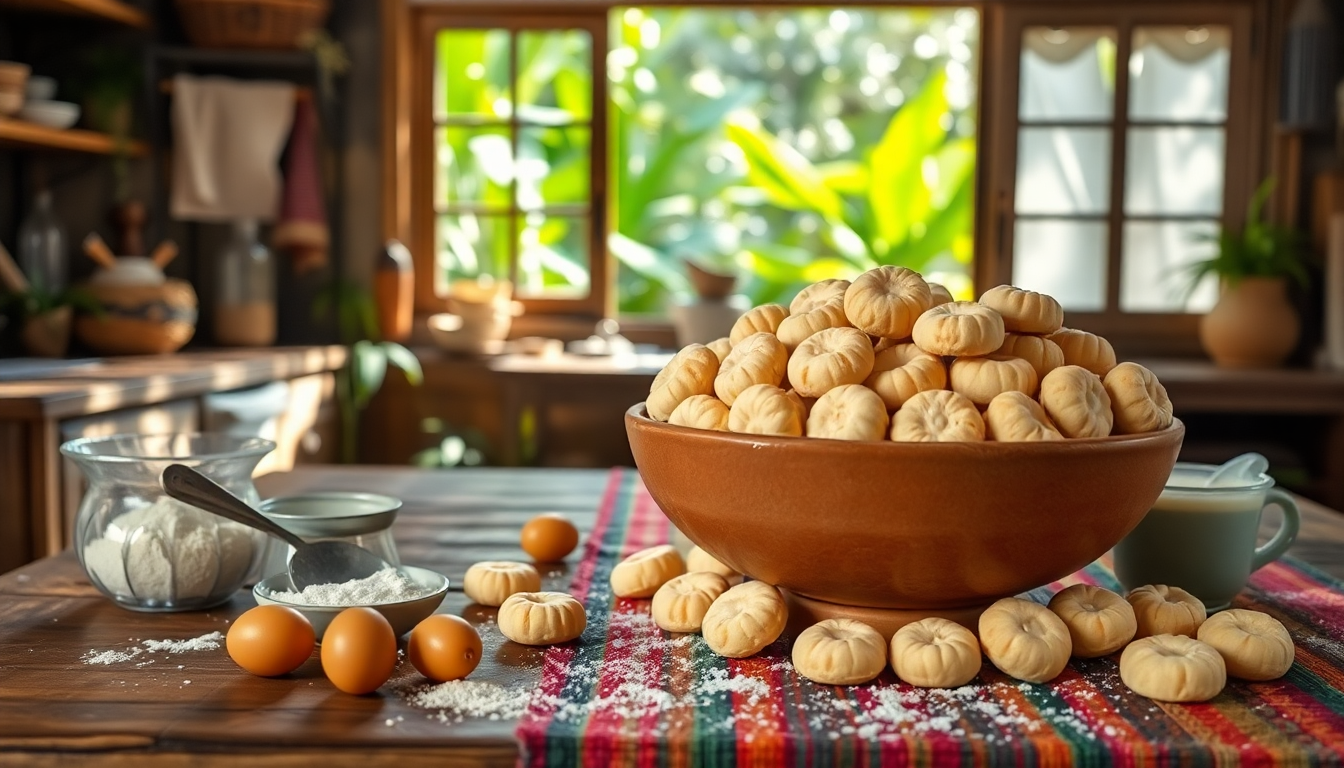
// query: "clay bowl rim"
[[638, 414]]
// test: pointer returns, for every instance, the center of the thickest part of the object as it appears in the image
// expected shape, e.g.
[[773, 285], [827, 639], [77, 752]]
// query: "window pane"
[[552, 256], [1179, 73], [555, 78], [470, 246], [1174, 171], [1066, 259], [553, 167], [1153, 269], [472, 165], [1063, 170], [1067, 74], [471, 73], [741, 137]]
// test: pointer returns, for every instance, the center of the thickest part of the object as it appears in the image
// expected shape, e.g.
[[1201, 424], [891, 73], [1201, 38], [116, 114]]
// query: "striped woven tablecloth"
[[627, 693]]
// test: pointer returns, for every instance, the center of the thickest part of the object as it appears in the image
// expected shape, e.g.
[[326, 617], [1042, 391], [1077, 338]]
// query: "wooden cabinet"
[[285, 395], [521, 410]]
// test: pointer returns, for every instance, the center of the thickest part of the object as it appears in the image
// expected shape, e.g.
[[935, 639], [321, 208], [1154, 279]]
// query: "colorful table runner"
[[627, 693]]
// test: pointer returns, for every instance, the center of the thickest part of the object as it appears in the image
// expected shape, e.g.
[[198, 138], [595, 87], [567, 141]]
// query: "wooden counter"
[[39, 491], [125, 382]]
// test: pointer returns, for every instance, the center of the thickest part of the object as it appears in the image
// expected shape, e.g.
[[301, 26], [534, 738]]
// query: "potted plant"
[[370, 356], [45, 318], [1253, 325]]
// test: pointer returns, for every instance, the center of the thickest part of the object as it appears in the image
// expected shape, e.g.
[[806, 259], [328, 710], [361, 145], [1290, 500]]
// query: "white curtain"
[[1177, 74]]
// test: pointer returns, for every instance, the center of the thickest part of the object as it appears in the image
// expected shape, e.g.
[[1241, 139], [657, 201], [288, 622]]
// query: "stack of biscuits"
[[893, 356]]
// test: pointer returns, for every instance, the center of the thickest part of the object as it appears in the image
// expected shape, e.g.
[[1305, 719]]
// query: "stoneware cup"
[[1203, 540]]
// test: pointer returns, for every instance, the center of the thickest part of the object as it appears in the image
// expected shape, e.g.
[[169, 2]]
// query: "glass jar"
[[150, 552], [245, 294], [42, 243], [363, 519]]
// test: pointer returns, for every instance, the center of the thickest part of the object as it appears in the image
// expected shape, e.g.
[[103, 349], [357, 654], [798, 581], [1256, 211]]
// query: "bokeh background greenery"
[[784, 146]]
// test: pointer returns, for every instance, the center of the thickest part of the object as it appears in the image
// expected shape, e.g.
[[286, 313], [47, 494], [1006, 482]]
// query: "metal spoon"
[[321, 562]]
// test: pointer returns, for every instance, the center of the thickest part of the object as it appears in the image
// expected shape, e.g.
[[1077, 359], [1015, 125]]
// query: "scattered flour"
[[207, 642], [169, 551], [457, 699], [386, 586], [649, 672]]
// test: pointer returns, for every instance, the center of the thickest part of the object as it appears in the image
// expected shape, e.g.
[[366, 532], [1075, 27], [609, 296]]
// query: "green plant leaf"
[[648, 263], [405, 360], [898, 194], [368, 366], [1258, 249], [938, 234], [787, 178], [776, 262], [845, 177]]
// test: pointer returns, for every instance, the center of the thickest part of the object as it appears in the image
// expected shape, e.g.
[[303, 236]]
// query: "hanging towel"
[[227, 139], [302, 230]]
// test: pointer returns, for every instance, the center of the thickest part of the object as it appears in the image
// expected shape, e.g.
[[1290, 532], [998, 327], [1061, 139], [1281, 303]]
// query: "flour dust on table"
[[207, 642]]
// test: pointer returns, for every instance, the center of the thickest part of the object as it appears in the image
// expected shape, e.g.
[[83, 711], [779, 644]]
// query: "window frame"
[[1133, 333], [421, 220], [1256, 25]]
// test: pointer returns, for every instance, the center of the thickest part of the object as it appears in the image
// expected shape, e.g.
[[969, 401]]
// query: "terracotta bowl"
[[934, 527]]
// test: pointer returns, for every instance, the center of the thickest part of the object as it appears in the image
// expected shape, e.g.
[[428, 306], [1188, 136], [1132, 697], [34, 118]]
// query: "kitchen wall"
[[357, 26], [83, 185]]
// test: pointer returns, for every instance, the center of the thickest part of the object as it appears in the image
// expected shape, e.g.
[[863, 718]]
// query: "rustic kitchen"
[[439, 382]]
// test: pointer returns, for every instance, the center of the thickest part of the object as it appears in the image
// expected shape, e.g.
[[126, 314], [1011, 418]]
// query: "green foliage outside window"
[[786, 146], [789, 146]]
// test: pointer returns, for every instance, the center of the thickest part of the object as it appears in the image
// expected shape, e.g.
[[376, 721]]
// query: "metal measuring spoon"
[[321, 562]]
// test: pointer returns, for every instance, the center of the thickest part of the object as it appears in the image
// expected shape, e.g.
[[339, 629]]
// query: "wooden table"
[[54, 708]]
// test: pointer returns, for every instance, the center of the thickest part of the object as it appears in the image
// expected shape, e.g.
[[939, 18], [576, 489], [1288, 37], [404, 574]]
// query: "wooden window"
[[1119, 137], [508, 156]]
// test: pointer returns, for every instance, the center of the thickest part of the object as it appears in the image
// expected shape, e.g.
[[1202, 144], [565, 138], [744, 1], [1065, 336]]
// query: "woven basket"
[[273, 24]]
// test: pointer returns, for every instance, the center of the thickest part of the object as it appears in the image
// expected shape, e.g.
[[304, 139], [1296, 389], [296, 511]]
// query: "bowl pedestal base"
[[805, 611]]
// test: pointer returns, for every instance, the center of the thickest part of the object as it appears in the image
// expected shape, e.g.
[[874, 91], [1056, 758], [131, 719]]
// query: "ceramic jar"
[[144, 313], [1253, 325]]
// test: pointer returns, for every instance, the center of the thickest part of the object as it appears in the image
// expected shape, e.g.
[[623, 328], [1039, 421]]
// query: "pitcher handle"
[[1292, 521]]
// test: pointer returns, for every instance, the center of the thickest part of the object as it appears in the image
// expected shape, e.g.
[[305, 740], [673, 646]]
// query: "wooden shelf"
[[19, 133], [111, 10]]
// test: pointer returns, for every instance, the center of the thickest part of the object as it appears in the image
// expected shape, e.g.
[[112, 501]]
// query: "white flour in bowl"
[[169, 551], [386, 586]]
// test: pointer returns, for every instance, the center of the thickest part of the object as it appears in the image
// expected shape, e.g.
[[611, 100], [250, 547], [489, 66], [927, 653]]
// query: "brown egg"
[[444, 647], [270, 640], [549, 537], [359, 650]]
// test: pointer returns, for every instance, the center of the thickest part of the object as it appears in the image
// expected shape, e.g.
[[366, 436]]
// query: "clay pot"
[[920, 528], [47, 334], [711, 286], [1252, 326]]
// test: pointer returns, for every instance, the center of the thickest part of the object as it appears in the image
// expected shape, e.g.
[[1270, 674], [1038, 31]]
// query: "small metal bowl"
[[403, 616], [363, 519]]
